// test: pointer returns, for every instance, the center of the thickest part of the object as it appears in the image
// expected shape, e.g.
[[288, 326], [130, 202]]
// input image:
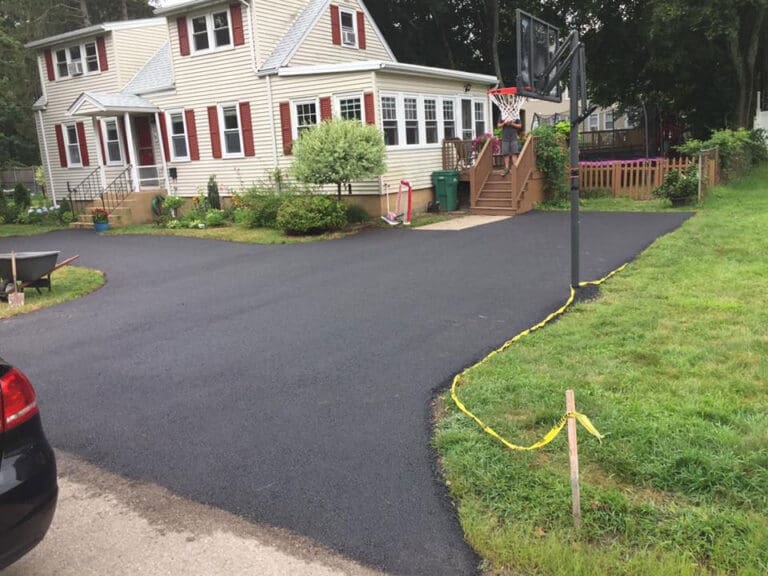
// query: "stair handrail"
[[117, 191], [88, 189], [480, 171], [524, 169]]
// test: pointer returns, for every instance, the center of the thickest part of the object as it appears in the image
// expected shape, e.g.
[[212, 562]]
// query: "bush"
[[21, 196], [737, 148], [262, 209], [311, 215], [214, 218], [679, 184], [552, 160], [214, 201], [356, 214]]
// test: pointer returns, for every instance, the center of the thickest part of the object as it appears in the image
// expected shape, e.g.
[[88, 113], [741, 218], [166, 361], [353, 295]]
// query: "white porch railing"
[[152, 176]]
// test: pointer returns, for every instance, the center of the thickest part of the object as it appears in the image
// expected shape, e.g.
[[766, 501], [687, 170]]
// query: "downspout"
[[254, 48], [47, 159], [271, 105]]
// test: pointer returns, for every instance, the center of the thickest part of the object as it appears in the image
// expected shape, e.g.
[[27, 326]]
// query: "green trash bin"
[[446, 183]]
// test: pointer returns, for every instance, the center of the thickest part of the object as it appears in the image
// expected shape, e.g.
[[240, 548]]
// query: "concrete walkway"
[[462, 223]]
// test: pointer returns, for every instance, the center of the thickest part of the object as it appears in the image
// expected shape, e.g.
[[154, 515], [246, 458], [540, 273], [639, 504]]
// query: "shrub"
[[65, 205], [356, 214], [737, 148], [214, 201], [21, 196], [311, 215], [552, 160], [214, 218], [262, 209], [171, 205], [679, 184]]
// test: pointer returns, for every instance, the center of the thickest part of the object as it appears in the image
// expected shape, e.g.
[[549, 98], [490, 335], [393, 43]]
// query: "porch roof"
[[97, 104], [395, 67]]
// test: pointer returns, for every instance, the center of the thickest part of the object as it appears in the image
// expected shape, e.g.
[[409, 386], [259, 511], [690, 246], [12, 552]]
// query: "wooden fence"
[[636, 179], [9, 177]]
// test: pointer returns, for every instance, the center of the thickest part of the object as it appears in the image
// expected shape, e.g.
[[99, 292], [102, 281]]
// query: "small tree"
[[339, 152]]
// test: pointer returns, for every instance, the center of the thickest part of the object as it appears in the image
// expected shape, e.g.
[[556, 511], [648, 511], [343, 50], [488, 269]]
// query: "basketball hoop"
[[508, 101]]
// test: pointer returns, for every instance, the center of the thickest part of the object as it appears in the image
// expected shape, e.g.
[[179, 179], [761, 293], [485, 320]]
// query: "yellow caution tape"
[[552, 434]]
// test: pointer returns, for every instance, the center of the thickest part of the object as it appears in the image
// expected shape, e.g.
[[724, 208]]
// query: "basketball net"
[[508, 101]]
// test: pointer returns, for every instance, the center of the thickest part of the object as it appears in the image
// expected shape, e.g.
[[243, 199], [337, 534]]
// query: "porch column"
[[162, 152], [100, 155], [132, 148]]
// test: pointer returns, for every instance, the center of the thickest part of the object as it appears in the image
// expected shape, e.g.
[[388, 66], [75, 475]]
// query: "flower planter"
[[101, 226]]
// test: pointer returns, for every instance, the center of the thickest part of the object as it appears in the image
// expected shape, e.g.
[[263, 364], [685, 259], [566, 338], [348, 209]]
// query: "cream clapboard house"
[[224, 88]]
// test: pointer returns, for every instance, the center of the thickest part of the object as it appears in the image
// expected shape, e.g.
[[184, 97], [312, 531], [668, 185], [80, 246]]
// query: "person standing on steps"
[[509, 150]]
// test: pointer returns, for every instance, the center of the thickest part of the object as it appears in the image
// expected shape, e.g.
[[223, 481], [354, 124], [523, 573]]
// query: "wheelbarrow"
[[33, 270]]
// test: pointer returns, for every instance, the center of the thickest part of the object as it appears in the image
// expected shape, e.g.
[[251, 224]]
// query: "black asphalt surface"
[[292, 384]]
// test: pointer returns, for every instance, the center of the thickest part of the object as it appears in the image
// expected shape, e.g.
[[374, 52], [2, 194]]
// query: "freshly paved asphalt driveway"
[[292, 384]]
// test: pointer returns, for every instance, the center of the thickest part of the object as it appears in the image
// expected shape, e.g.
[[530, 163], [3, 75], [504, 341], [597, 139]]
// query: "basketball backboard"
[[538, 43]]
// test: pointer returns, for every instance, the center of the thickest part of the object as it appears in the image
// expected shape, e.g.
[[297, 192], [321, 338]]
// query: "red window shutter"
[[100, 128], [370, 113], [164, 135], [101, 48], [181, 24], [49, 65], [326, 113], [238, 34], [245, 119], [285, 127], [213, 126], [194, 148], [62, 149], [361, 30], [335, 25], [83, 144]]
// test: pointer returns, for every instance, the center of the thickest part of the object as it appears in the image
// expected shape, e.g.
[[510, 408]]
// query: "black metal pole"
[[574, 94]]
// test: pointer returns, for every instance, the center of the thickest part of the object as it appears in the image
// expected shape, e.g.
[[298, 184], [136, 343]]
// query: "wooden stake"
[[573, 454]]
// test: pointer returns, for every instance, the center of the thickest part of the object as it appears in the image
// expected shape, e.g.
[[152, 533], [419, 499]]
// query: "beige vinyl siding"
[[320, 86], [133, 47], [416, 163], [318, 47], [271, 22], [203, 80], [61, 95]]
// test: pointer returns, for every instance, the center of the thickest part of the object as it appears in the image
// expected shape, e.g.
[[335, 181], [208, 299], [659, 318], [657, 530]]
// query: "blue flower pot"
[[101, 226]]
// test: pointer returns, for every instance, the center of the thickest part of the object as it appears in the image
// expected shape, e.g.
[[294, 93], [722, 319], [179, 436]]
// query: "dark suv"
[[28, 488]]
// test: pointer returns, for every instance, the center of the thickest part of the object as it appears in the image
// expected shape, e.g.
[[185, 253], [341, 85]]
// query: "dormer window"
[[211, 31], [348, 28]]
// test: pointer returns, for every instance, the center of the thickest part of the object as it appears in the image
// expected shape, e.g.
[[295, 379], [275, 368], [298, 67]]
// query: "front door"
[[148, 173]]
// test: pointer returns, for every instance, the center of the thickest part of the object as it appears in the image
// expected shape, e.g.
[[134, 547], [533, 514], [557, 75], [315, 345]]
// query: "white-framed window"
[[112, 146], [73, 147], [479, 118], [389, 120], [348, 26], [231, 131], [305, 116], [431, 131], [411, 115], [608, 119], [449, 118], [177, 126], [211, 31], [466, 119], [77, 60], [594, 122], [350, 107]]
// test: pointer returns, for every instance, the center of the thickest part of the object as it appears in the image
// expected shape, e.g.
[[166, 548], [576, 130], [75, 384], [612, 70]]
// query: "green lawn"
[[671, 363], [611, 204], [8, 230], [228, 233], [69, 283]]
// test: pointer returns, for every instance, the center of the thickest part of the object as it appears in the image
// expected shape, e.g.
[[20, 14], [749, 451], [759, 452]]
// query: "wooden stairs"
[[497, 196]]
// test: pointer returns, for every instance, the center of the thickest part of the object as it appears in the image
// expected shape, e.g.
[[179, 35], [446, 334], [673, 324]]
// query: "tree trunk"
[[338, 191], [84, 12], [745, 67], [492, 6], [124, 9]]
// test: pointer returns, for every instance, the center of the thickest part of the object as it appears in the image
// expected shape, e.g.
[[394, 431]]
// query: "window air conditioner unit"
[[76, 68], [348, 37]]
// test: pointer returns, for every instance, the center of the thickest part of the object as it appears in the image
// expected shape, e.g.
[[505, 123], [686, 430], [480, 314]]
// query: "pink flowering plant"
[[479, 142]]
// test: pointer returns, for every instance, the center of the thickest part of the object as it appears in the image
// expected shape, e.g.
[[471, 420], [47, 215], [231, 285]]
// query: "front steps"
[[135, 209], [496, 197]]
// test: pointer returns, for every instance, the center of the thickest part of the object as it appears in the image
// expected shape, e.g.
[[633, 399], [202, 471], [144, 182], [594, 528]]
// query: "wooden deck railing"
[[524, 169], [479, 172]]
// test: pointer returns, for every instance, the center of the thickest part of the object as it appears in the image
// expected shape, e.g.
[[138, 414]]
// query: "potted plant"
[[679, 187], [100, 219]]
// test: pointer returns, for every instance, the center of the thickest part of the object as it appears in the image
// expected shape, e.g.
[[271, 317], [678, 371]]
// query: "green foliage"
[[262, 210], [40, 179], [21, 196], [171, 205], [311, 215], [679, 184], [339, 152], [563, 130], [214, 218], [214, 201], [65, 205], [738, 149], [552, 160], [356, 214]]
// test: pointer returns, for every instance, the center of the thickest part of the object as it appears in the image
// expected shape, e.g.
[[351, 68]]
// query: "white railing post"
[[99, 152], [163, 152], [132, 151]]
